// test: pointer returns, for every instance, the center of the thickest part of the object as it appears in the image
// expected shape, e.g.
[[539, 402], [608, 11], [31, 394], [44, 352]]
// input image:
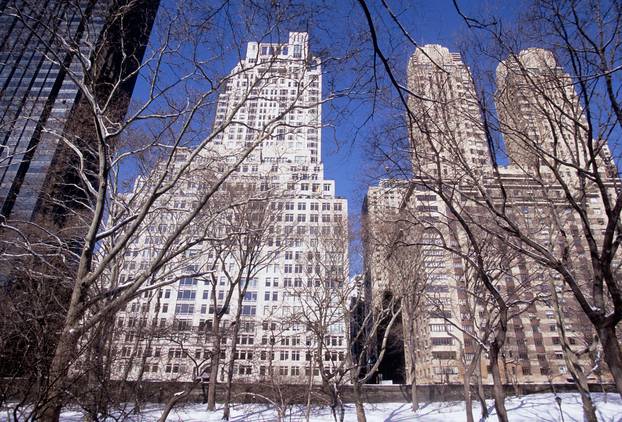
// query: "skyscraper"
[[40, 103], [45, 47], [539, 110], [444, 117], [542, 123], [270, 109]]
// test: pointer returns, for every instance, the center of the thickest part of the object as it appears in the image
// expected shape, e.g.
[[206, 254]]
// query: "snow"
[[535, 407]]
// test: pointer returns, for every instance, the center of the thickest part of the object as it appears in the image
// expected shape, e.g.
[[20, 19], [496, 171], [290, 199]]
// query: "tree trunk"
[[414, 401], [59, 368], [97, 378], [227, 409], [211, 391], [572, 362], [310, 386], [340, 407], [468, 399], [589, 411], [170, 404], [410, 331], [336, 402], [499, 394], [481, 395], [358, 402], [612, 354]]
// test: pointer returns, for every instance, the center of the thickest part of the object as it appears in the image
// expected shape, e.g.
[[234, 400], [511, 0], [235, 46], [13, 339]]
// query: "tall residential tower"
[[270, 109], [444, 117], [455, 189]]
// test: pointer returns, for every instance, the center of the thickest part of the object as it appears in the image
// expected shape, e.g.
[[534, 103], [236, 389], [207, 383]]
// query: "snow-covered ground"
[[536, 407]]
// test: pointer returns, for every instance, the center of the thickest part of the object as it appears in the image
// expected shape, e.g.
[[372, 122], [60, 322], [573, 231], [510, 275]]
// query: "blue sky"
[[428, 22]]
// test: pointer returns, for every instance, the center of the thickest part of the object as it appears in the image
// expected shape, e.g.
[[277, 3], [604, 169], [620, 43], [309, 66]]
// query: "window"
[[246, 339], [186, 295], [444, 355], [250, 297], [249, 310], [188, 281], [245, 370], [184, 309]]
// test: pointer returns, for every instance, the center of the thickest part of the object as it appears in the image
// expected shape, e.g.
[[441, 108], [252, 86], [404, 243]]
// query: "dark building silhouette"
[[40, 103], [45, 45]]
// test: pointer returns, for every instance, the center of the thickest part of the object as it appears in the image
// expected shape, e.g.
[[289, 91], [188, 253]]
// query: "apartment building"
[[446, 127], [442, 333], [402, 260], [270, 113]]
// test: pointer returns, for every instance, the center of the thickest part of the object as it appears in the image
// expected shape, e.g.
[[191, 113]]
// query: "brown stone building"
[[455, 194]]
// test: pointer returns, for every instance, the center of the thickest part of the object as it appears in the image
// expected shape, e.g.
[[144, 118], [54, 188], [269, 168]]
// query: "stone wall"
[[292, 394]]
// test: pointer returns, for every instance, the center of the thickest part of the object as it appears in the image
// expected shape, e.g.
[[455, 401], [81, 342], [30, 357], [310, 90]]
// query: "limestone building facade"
[[541, 130], [270, 109]]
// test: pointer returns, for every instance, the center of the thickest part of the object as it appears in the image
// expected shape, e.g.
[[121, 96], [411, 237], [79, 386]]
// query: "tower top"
[[530, 59], [435, 53], [297, 47]]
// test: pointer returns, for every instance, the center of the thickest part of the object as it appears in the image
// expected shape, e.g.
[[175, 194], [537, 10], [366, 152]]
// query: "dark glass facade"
[[39, 99]]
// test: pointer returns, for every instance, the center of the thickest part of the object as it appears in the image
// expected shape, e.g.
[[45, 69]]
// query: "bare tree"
[[554, 206], [180, 79]]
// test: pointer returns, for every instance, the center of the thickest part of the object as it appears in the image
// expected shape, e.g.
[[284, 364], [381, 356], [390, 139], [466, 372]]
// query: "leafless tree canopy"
[[500, 203]]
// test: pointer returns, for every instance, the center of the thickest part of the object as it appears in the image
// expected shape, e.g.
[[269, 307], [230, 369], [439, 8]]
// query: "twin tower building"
[[513, 162]]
